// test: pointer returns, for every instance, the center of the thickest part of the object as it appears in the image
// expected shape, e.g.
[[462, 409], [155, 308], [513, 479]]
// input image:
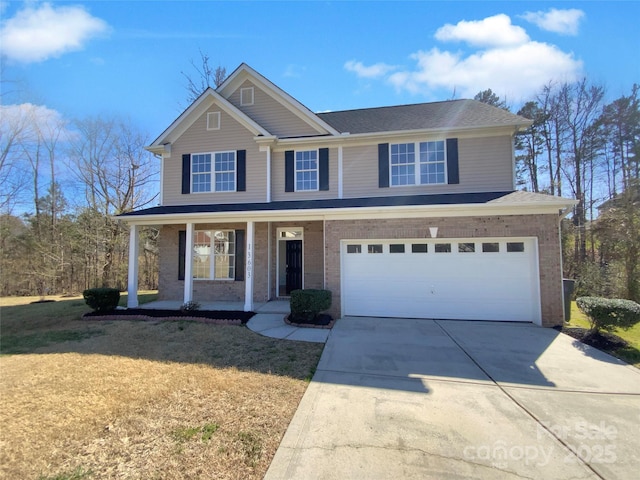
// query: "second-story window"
[[426, 168], [306, 170], [218, 175]]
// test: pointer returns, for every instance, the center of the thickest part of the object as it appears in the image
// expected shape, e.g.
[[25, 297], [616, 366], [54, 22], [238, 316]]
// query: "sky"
[[127, 58]]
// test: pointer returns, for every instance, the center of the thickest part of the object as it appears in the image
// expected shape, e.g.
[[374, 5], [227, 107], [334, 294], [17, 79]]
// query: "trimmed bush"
[[609, 313], [102, 299], [308, 303]]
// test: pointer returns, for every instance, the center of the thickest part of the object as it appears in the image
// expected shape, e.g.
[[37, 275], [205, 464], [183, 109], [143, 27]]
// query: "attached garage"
[[466, 279]]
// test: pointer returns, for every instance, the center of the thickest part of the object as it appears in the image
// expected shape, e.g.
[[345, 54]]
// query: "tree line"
[[64, 183], [578, 146]]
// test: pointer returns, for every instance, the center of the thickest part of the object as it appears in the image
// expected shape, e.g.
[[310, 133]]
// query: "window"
[[306, 170], [225, 163], [354, 248], [403, 169], [515, 246], [491, 247], [419, 248], [377, 248], [396, 248], [428, 169], [246, 96], [213, 121], [214, 255], [466, 247], [432, 164], [201, 173], [224, 172], [442, 248]]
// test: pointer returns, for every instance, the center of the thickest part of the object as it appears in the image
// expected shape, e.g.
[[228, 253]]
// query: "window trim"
[[215, 125], [244, 103], [417, 179], [212, 172], [212, 255], [295, 171]]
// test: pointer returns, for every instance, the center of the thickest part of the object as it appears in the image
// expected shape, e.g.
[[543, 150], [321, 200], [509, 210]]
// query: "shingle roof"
[[436, 115], [407, 200]]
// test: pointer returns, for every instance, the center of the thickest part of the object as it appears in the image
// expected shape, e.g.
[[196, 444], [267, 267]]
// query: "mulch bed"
[[321, 321], [604, 341], [217, 317]]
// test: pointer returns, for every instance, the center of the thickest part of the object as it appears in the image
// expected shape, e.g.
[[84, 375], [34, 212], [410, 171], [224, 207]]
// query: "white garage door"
[[469, 279]]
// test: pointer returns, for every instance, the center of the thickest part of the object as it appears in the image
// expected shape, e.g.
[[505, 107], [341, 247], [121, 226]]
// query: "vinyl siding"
[[197, 139], [277, 177], [271, 115], [485, 165]]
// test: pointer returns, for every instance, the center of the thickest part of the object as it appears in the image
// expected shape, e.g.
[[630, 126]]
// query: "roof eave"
[[351, 213]]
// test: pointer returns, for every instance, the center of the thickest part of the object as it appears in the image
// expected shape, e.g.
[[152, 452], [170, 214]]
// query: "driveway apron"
[[402, 398]]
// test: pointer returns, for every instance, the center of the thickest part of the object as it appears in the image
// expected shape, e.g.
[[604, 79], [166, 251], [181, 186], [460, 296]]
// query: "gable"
[[195, 111], [269, 113], [245, 73]]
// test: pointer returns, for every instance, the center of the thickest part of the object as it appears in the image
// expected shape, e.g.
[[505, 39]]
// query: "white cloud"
[[565, 22], [516, 71], [37, 33], [373, 71], [489, 32], [504, 59], [294, 71], [26, 121]]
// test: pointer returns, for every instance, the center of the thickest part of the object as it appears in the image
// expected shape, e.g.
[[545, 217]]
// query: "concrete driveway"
[[402, 399]]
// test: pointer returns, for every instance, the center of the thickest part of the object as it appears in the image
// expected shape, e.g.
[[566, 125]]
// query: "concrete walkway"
[[416, 399], [268, 320]]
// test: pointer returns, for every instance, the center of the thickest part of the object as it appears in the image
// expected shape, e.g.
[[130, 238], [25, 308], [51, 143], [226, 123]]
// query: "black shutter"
[[241, 170], [182, 252], [383, 165], [240, 255], [186, 173], [453, 172], [289, 171], [323, 180]]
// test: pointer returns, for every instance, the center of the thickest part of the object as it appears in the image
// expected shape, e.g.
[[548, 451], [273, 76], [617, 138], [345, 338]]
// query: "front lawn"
[[629, 353], [128, 399]]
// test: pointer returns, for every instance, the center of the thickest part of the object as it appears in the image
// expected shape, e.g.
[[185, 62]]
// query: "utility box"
[[567, 290]]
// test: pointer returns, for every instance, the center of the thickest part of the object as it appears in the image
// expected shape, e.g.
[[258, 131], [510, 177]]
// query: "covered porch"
[[246, 266]]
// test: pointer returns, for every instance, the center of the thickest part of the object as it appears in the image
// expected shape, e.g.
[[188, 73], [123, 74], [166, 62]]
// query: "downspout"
[[268, 174]]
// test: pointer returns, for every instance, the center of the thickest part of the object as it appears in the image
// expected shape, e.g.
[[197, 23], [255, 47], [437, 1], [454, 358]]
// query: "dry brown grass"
[[141, 400]]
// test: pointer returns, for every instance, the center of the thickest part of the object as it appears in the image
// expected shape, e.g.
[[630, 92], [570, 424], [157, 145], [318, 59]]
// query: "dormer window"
[[246, 96]]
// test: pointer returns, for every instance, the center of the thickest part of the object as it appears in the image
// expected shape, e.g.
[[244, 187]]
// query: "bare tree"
[[118, 175], [205, 76]]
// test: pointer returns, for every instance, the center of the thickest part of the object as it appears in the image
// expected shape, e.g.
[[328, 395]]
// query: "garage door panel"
[[477, 285]]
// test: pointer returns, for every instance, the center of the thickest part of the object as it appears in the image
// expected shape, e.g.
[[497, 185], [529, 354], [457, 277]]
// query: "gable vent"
[[246, 96]]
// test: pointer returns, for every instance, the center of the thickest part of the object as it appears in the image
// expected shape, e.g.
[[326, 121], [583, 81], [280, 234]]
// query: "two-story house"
[[402, 211]]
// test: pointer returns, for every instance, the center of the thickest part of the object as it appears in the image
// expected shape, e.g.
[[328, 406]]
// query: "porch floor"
[[268, 320]]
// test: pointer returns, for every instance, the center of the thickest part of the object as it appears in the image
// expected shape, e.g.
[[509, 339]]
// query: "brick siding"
[[544, 227]]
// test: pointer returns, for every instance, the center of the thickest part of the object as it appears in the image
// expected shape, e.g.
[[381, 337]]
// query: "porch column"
[[188, 264], [132, 280], [248, 283]]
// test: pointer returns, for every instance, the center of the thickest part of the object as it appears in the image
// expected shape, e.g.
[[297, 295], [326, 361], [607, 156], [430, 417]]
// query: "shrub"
[[308, 303], [609, 313], [102, 299]]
